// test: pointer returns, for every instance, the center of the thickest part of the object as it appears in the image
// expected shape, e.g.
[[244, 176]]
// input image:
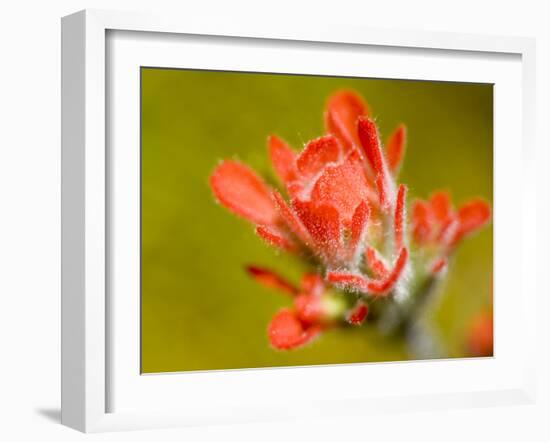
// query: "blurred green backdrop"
[[200, 310]]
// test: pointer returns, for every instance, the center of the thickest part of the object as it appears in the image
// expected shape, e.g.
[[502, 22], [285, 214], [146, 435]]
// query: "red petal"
[[359, 223], [343, 109], [343, 186], [376, 263], [292, 220], [395, 149], [422, 221], [438, 266], [309, 309], [312, 284], [358, 314], [317, 154], [442, 207], [242, 191], [480, 340], [357, 282], [368, 134], [296, 188], [283, 159], [421, 212], [276, 238], [399, 219], [448, 231], [384, 199], [286, 331], [271, 280], [374, 287], [383, 287], [472, 216], [323, 224]]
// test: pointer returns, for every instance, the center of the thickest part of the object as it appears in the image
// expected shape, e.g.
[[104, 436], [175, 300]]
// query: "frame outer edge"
[[83, 343], [73, 79]]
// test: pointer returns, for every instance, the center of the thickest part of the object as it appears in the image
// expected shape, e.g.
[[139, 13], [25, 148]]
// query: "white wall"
[[30, 221]]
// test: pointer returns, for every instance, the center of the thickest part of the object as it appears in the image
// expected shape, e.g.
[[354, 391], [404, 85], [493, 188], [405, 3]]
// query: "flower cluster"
[[314, 309], [345, 213], [438, 227]]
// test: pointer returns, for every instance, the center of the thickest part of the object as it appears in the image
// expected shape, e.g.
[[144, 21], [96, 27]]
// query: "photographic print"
[[294, 220]]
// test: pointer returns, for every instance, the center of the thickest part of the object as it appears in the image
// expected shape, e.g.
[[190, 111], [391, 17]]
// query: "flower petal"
[[272, 280], [373, 287], [309, 309], [359, 223], [312, 284], [283, 159], [384, 199], [448, 232], [358, 314], [422, 221], [286, 331], [438, 266], [368, 135], [317, 154], [352, 280], [241, 190], [480, 339], [323, 223], [276, 237], [376, 263], [442, 208], [343, 109], [395, 149], [384, 286], [399, 218], [292, 220], [344, 186], [472, 216]]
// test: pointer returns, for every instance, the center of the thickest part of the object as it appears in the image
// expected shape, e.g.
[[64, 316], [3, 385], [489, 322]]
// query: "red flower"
[[286, 331], [314, 309], [344, 207], [339, 186], [436, 222], [298, 326]]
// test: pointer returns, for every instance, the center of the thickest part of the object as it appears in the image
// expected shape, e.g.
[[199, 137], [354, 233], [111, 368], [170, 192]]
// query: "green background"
[[200, 310]]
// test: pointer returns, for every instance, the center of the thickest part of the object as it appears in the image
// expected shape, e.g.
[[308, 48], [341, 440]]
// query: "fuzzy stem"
[[399, 318]]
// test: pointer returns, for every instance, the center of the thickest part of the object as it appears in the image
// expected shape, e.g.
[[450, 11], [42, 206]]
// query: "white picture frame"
[[87, 202]]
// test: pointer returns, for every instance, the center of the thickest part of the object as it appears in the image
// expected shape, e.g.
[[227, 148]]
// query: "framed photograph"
[[270, 223]]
